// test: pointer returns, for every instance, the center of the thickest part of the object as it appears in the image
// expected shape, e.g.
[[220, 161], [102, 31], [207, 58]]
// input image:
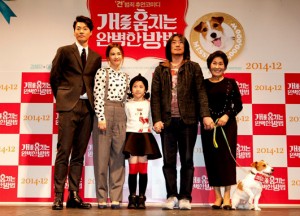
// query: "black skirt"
[[141, 144]]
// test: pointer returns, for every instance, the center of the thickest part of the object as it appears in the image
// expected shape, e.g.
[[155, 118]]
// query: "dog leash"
[[226, 140]]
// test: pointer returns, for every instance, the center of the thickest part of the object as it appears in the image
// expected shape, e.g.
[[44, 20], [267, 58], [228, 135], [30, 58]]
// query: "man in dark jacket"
[[72, 82], [178, 102]]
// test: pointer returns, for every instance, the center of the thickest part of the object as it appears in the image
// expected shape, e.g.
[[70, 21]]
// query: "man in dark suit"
[[72, 83]]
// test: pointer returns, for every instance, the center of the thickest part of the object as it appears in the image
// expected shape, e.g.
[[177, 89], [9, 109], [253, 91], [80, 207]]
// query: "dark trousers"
[[179, 137], [74, 131]]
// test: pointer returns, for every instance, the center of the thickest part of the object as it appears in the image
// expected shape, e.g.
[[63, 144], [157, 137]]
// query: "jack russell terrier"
[[214, 36], [248, 191]]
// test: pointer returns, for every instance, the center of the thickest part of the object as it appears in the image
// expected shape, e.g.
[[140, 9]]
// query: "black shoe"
[[132, 202], [74, 201], [141, 202], [58, 201], [227, 207], [216, 207]]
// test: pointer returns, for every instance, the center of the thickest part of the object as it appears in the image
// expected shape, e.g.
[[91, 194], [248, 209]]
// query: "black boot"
[[74, 201], [58, 201], [141, 202], [132, 202]]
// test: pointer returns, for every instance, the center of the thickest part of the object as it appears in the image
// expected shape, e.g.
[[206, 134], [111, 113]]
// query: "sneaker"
[[184, 204], [170, 204]]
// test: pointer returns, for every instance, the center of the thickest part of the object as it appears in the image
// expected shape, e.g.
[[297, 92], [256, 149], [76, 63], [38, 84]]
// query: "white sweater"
[[138, 116]]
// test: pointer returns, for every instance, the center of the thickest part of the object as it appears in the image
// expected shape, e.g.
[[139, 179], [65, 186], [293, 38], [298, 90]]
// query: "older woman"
[[225, 103]]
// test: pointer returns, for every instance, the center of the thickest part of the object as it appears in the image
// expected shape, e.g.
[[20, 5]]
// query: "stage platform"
[[152, 210]]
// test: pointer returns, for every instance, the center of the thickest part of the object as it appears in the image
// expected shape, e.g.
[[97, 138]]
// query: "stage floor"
[[30, 210]]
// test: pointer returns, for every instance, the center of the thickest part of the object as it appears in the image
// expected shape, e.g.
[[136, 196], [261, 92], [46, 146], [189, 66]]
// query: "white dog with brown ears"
[[248, 191], [215, 34]]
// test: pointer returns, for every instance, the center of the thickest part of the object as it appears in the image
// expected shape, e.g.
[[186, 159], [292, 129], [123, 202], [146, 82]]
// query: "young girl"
[[140, 144]]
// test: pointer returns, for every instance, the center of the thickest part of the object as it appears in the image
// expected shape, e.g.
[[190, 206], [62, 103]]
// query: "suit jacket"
[[67, 76]]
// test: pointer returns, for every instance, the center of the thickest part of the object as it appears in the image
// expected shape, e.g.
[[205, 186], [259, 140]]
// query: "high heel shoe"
[[102, 205], [227, 207], [216, 207]]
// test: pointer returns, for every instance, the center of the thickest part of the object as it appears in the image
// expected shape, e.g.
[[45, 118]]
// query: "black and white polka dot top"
[[117, 89]]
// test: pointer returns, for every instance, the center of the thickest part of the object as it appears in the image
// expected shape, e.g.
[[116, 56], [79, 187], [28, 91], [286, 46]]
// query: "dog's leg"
[[251, 197], [256, 199], [234, 201], [247, 206]]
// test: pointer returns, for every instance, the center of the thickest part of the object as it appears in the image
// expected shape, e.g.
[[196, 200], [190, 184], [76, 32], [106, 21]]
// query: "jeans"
[[182, 137]]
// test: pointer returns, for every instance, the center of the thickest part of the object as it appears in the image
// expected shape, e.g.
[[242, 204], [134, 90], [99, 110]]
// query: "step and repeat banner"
[[260, 38]]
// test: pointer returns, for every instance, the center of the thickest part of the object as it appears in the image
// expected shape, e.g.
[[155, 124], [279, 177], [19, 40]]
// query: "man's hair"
[[85, 20], [186, 53]]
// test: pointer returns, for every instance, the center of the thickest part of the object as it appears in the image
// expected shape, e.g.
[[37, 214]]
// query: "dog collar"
[[259, 177]]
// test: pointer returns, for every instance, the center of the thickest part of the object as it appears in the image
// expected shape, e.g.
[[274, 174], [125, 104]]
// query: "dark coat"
[[191, 93]]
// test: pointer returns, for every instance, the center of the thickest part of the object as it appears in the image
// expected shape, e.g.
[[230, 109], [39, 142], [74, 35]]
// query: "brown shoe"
[[58, 201]]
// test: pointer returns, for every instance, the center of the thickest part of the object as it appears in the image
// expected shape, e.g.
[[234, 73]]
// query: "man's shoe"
[[184, 204], [58, 201], [74, 201], [170, 204]]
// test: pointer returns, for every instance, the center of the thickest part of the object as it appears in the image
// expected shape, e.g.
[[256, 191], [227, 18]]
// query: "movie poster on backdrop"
[[142, 27], [261, 60]]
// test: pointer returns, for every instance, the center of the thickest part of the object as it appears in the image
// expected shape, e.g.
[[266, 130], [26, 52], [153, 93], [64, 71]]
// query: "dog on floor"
[[214, 36], [248, 191]]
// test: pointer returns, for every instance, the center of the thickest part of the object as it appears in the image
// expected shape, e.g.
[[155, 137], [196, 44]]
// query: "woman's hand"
[[158, 126], [223, 120], [102, 125]]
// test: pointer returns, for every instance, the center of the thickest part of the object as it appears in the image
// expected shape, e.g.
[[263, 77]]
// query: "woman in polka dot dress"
[[109, 132]]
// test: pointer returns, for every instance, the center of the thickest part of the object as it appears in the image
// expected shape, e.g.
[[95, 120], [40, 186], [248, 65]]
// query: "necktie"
[[83, 60], [83, 57]]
